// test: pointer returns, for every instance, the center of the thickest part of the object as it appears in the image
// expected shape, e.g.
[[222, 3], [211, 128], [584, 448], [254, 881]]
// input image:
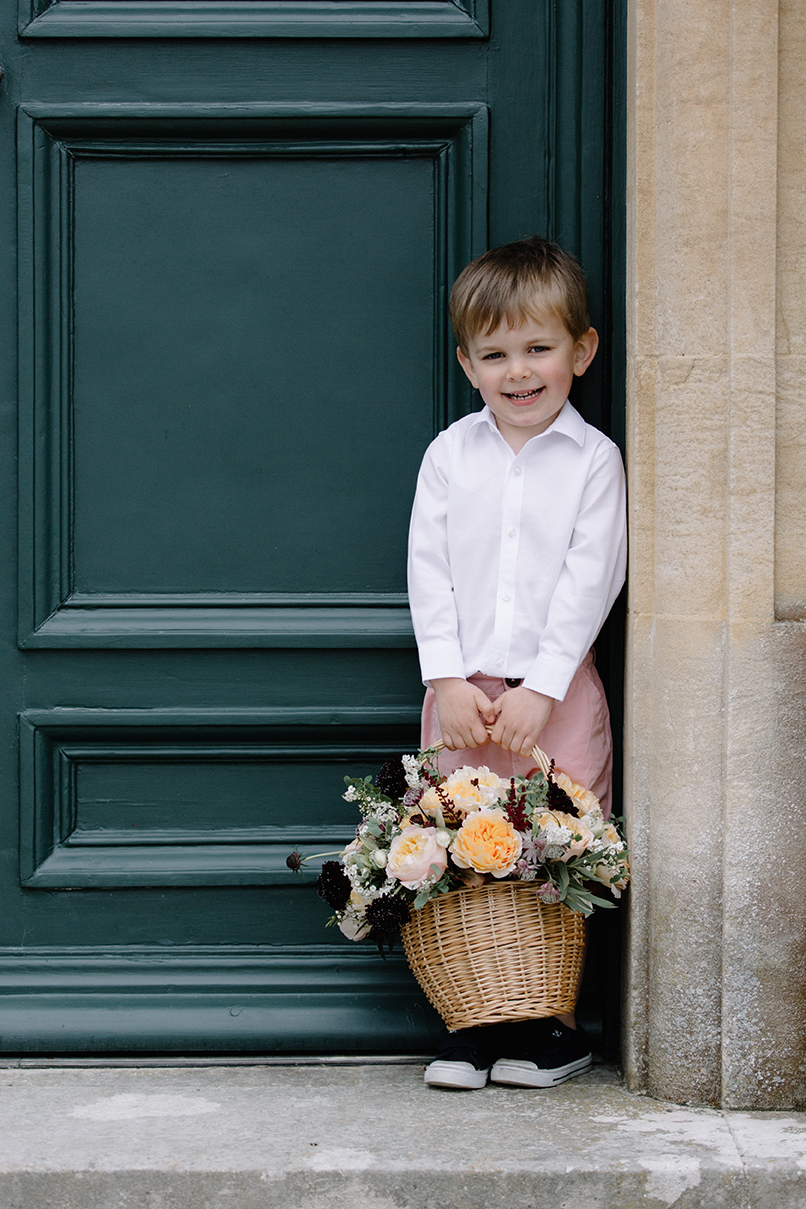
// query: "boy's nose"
[[518, 369]]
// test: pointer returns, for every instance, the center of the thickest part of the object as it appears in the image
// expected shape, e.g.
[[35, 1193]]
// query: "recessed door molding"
[[253, 19], [107, 796], [451, 139]]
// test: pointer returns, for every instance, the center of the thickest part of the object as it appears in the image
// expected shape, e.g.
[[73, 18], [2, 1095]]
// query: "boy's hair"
[[513, 282]]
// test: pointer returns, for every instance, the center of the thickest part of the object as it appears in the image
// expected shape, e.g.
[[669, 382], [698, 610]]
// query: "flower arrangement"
[[423, 835]]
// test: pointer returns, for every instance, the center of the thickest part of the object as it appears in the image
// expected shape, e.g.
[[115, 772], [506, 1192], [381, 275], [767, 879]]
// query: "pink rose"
[[415, 857]]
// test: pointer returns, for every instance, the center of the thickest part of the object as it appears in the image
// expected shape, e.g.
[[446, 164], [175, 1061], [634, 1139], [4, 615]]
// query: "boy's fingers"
[[482, 702], [509, 739], [480, 733], [500, 736]]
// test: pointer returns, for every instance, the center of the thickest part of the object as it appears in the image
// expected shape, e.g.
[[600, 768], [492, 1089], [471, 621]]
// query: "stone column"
[[716, 787]]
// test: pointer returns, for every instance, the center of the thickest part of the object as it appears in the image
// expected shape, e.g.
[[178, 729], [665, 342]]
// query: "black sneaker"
[[553, 1054], [463, 1061]]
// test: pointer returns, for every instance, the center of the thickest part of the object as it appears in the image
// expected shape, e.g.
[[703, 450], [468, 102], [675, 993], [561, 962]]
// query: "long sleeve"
[[590, 579], [431, 595]]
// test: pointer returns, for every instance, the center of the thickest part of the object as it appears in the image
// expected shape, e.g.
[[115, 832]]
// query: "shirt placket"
[[506, 586]]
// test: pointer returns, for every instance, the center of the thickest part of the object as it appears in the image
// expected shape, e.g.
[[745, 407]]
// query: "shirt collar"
[[569, 423]]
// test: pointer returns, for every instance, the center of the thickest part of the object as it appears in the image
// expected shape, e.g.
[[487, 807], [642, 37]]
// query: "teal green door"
[[225, 255]]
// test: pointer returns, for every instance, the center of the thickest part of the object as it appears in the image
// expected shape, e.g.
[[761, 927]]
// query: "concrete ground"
[[374, 1137]]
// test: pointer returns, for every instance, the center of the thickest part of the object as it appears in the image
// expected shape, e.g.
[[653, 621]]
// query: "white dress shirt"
[[515, 560]]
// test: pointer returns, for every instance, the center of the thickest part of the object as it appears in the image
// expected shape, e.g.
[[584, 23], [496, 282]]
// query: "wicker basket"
[[496, 952]]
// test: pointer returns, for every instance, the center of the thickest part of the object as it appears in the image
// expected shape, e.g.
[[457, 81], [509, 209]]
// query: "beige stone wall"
[[790, 503], [716, 755]]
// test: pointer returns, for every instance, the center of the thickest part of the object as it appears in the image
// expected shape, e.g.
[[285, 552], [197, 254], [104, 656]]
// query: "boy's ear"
[[585, 350], [467, 366]]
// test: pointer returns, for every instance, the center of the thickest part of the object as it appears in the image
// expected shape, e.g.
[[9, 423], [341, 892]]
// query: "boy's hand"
[[462, 708], [520, 715]]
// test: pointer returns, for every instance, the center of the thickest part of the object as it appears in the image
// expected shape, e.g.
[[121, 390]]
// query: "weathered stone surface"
[[376, 1138]]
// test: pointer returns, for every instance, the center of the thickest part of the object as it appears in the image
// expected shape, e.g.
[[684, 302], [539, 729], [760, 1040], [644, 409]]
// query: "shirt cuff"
[[440, 660], [551, 676]]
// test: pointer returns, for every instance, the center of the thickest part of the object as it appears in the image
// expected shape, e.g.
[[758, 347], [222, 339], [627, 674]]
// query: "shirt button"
[[517, 470], [511, 531], [499, 663], [507, 596]]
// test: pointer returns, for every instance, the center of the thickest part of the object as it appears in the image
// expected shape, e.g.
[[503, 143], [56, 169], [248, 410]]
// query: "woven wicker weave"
[[495, 953]]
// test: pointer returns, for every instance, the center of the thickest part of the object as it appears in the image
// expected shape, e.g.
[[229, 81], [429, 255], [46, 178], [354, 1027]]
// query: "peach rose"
[[581, 797], [488, 843], [473, 788], [430, 802], [621, 877], [415, 857]]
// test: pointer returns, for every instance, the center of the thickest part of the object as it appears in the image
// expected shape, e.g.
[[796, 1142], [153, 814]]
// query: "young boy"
[[517, 552]]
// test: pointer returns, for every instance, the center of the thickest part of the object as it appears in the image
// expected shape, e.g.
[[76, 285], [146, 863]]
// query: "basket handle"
[[537, 754]]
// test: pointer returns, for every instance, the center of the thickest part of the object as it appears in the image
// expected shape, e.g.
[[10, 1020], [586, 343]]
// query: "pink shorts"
[[577, 736]]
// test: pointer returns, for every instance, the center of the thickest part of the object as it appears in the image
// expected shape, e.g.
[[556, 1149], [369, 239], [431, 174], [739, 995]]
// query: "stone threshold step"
[[375, 1137]]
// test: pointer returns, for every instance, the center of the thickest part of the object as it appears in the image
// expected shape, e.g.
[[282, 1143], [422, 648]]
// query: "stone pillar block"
[[715, 744]]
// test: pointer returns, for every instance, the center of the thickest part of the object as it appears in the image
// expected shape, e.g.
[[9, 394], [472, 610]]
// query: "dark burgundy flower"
[[558, 799], [421, 820], [515, 808], [333, 885], [386, 916], [294, 861], [391, 778]]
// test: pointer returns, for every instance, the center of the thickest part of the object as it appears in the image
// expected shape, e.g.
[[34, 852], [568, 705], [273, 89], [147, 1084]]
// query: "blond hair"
[[514, 282]]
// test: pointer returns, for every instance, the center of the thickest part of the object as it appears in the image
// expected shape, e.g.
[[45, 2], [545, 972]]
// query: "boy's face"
[[524, 373]]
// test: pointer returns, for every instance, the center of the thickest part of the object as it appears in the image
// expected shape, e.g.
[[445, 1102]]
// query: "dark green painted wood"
[[129, 493], [191, 798], [253, 19], [139, 998], [230, 247]]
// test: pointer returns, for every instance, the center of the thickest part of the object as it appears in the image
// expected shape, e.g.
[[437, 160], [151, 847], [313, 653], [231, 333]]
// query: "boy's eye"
[[491, 356], [539, 348]]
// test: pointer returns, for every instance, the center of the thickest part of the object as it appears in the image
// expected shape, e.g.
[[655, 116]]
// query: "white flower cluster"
[[411, 768], [367, 802], [385, 812], [601, 847], [555, 839], [360, 877]]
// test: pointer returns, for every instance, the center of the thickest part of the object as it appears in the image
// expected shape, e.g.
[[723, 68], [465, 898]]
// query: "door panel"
[[181, 798], [168, 258], [233, 233], [253, 19]]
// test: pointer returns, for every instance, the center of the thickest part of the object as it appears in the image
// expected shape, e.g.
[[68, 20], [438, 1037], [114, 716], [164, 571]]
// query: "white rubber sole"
[[461, 1076], [517, 1072]]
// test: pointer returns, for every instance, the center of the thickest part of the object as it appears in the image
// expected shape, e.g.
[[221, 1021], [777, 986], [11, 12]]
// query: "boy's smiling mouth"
[[523, 396]]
